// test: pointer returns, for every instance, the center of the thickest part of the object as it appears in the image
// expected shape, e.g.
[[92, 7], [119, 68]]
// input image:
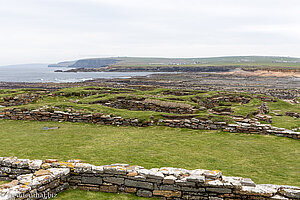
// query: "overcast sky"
[[49, 31]]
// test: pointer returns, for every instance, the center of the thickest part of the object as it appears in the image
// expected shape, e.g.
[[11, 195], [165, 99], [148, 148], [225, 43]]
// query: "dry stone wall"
[[217, 100], [293, 114], [19, 99], [152, 105], [50, 177], [251, 126], [241, 126], [29, 180]]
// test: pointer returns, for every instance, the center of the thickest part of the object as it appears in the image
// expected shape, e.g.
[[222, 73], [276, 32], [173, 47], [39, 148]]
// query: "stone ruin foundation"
[[37, 179]]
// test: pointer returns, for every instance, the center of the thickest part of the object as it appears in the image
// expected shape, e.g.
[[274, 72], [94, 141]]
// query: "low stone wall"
[[293, 114], [52, 176], [252, 126], [45, 115], [219, 99], [19, 99], [242, 125], [266, 118], [29, 181], [152, 105]]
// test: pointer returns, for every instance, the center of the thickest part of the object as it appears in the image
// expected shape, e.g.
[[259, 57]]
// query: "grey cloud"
[[54, 30]]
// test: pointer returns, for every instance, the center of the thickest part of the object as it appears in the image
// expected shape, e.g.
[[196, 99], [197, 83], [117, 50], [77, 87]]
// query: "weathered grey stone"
[[168, 194], [144, 193], [169, 180], [91, 180], [278, 197], [35, 164], [196, 178], [192, 189], [215, 198], [219, 190], [185, 183], [152, 180], [138, 184], [114, 180], [109, 188], [291, 193], [169, 187], [247, 182]]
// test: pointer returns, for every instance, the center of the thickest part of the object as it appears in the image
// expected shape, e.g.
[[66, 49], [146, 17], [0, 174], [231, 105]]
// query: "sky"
[[49, 31]]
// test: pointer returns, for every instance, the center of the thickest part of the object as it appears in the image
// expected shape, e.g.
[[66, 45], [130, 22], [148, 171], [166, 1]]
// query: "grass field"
[[264, 159], [243, 61]]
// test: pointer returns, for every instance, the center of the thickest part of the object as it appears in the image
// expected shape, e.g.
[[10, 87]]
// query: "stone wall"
[[29, 180], [219, 99], [51, 176], [242, 125], [151, 105], [21, 99], [252, 126], [293, 114]]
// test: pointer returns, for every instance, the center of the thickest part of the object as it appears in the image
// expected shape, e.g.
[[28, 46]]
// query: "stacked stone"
[[12, 167], [244, 126], [221, 111], [194, 123], [182, 92], [296, 101], [44, 115], [215, 101], [166, 182], [20, 99], [263, 129], [77, 94], [267, 98], [43, 184], [263, 108], [29, 181], [293, 114], [266, 118], [152, 105]]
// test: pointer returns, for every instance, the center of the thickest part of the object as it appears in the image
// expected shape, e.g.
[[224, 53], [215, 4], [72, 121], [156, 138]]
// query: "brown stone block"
[[95, 189], [50, 160], [109, 188], [132, 174], [166, 193], [42, 172], [130, 190]]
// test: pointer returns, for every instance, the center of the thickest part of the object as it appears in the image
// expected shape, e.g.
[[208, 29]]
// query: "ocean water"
[[43, 73]]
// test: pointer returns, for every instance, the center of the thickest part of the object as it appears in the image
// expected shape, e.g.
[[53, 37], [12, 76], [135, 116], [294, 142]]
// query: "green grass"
[[3, 182], [265, 159], [245, 109], [233, 61], [284, 121], [77, 194]]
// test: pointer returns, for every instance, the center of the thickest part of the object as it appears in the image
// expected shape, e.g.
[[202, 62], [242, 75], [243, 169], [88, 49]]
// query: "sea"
[[43, 73]]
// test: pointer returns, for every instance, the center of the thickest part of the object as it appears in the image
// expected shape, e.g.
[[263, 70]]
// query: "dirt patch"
[[263, 73]]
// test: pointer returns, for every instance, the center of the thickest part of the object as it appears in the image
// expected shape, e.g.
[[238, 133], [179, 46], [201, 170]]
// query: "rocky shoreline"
[[280, 87]]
